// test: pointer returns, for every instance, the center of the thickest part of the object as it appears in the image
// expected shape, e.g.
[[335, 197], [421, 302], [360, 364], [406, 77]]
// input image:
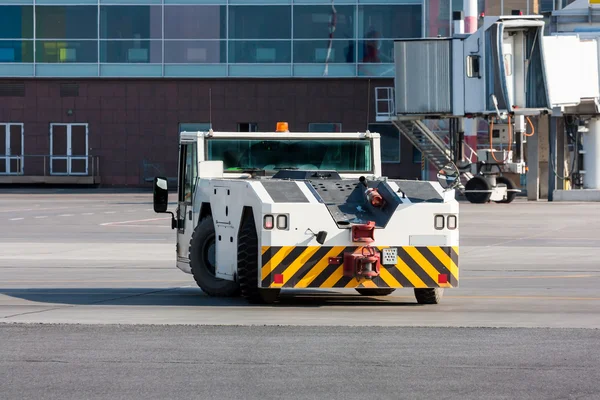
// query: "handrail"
[[50, 165]]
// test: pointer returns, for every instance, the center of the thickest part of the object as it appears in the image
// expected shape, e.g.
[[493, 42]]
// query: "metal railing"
[[49, 165]]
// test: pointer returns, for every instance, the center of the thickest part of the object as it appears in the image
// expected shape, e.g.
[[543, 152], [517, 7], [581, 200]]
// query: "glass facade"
[[204, 38]]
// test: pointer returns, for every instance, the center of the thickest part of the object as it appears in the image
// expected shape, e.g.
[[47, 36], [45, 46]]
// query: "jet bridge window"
[[508, 64], [473, 66]]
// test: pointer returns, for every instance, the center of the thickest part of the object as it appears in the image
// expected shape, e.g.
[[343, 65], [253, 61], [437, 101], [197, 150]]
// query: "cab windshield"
[[342, 155]]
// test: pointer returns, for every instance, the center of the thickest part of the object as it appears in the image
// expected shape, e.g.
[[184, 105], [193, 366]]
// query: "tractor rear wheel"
[[429, 295], [203, 262], [375, 292], [478, 183], [248, 265]]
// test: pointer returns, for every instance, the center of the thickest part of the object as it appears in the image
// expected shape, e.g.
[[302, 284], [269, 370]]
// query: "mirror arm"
[[173, 220]]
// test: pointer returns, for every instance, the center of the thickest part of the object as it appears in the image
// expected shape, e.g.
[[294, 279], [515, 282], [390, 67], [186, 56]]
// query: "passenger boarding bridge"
[[538, 93]]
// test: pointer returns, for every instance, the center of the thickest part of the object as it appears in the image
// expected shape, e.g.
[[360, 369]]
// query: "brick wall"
[[137, 121]]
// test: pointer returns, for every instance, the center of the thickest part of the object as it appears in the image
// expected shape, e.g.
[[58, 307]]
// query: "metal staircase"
[[434, 146]]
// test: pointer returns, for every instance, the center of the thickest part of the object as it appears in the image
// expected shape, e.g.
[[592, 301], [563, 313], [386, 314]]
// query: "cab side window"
[[188, 168]]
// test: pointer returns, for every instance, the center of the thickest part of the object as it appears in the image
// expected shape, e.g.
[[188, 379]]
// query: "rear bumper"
[[309, 267]]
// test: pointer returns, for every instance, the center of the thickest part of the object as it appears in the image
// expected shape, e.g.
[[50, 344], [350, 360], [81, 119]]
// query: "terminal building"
[[97, 91]]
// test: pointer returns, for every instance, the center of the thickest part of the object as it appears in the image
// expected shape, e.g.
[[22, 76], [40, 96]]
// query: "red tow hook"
[[364, 232], [367, 264]]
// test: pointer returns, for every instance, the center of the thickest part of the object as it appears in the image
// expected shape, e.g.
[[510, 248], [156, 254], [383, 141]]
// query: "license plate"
[[389, 256]]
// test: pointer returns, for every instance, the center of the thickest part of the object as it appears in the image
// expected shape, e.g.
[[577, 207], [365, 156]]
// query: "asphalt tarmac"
[[92, 306]]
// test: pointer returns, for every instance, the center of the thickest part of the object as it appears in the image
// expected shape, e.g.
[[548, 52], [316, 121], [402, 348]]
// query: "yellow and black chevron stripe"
[[309, 267]]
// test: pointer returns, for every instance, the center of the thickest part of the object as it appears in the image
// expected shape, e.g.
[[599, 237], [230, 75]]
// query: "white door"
[[188, 172], [69, 149], [11, 149]]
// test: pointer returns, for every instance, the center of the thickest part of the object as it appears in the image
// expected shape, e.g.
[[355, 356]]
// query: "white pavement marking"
[[41, 216], [66, 215], [145, 226], [87, 214], [135, 220], [33, 209], [16, 219], [109, 212]]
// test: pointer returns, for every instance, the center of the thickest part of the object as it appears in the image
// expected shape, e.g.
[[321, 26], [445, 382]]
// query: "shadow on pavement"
[[169, 297]]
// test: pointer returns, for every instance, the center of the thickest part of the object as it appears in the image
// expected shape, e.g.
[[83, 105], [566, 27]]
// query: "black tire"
[[203, 269], [478, 183], [429, 295], [248, 266], [375, 292], [510, 196]]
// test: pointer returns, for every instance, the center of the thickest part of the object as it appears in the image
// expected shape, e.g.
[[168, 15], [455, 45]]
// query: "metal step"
[[428, 143]]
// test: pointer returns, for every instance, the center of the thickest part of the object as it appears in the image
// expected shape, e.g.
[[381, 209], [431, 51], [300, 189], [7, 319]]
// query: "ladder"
[[432, 146]]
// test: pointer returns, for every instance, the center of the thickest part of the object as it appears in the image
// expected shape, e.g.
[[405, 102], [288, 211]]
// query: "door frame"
[[184, 213], [69, 157], [6, 158]]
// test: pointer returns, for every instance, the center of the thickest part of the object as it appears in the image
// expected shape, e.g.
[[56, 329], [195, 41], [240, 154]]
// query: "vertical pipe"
[[470, 7], [591, 145], [552, 159]]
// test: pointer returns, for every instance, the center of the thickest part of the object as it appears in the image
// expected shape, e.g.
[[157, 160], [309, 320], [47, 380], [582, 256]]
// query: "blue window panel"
[[132, 2], [217, 2], [17, 2], [375, 51], [65, 2], [260, 51], [195, 51], [377, 70], [131, 22], [319, 51], [66, 22], [315, 21], [66, 70], [66, 51], [324, 2], [195, 22], [260, 22], [389, 21], [260, 70], [131, 71], [16, 51], [131, 51], [196, 71], [16, 70], [16, 22], [262, 2], [318, 70]]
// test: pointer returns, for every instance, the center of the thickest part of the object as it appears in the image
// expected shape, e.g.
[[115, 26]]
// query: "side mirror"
[[161, 199], [449, 176], [161, 195]]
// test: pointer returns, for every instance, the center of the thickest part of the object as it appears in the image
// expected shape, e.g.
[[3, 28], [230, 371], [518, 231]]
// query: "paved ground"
[[83, 258]]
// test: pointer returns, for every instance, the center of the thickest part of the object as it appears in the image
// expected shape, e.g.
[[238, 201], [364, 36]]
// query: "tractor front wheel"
[[203, 262]]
